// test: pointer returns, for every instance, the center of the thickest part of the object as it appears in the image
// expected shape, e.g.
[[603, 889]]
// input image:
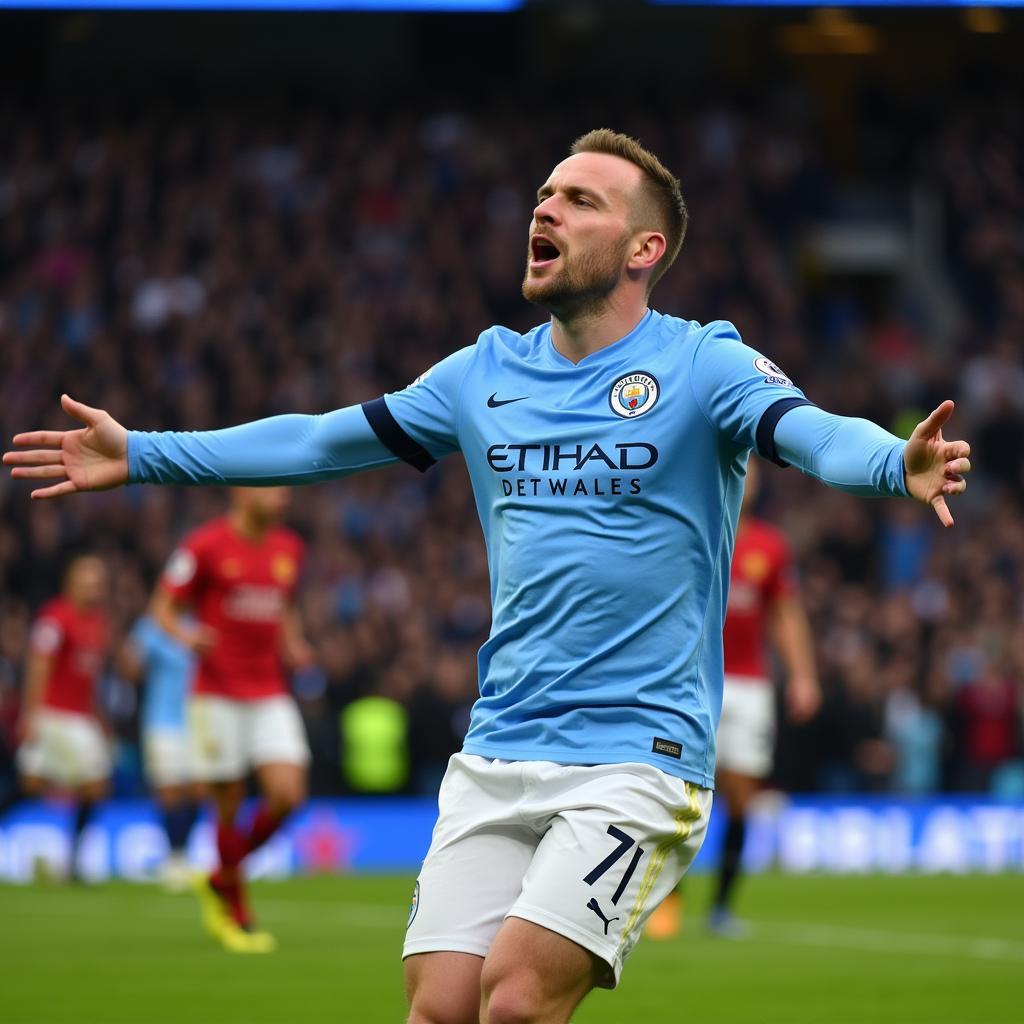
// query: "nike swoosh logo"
[[495, 403]]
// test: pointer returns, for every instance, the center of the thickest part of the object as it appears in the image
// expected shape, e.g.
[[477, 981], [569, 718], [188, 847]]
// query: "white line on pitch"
[[392, 917], [878, 941], [369, 915]]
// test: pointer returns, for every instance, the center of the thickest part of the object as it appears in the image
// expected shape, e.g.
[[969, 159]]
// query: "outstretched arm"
[[290, 449], [858, 456]]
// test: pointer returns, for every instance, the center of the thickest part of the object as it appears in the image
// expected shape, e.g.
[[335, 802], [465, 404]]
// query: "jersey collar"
[[603, 356]]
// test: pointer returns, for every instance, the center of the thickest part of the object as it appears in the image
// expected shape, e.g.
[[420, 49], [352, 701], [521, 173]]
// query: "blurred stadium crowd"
[[196, 267]]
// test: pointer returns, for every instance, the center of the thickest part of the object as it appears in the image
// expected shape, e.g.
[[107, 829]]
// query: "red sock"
[[263, 826], [233, 894], [227, 879], [232, 846]]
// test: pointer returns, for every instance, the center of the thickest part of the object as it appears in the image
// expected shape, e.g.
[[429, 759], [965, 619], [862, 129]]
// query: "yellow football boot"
[[219, 923], [214, 914], [236, 939]]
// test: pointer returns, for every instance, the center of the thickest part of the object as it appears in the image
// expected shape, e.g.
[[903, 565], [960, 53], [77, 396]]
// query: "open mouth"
[[542, 251]]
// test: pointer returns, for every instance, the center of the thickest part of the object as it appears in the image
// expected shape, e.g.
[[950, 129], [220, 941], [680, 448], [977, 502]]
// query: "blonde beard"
[[578, 290]]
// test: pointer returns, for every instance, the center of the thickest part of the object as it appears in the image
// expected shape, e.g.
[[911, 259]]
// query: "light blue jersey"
[[168, 668], [608, 492]]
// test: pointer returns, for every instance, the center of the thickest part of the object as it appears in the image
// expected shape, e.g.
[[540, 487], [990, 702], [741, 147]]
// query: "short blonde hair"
[[661, 206]]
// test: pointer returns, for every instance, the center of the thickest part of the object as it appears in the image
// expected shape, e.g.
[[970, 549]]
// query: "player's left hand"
[[933, 467]]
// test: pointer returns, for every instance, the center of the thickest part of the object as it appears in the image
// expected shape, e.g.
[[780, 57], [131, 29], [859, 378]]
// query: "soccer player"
[[164, 667], [237, 576], [63, 736], [606, 449], [763, 601]]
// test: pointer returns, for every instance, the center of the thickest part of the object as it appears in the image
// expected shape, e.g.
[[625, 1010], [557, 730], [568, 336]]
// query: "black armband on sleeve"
[[392, 436], [766, 428]]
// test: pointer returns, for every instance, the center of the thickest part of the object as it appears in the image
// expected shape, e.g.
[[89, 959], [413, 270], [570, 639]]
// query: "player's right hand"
[[94, 458]]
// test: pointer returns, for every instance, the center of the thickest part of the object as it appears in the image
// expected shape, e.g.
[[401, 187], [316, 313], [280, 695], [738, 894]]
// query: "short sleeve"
[[183, 572], [47, 634], [741, 392], [420, 424]]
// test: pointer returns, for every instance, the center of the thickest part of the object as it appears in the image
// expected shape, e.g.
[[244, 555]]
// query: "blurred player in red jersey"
[[763, 603], [62, 737], [237, 575]]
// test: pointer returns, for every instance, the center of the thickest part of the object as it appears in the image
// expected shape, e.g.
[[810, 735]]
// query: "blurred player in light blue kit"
[[607, 449], [165, 669]]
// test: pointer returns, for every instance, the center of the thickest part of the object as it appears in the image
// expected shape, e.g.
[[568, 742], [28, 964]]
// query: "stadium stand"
[[197, 265]]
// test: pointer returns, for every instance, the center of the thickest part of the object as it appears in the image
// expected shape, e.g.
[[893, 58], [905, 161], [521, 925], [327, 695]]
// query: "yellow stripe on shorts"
[[684, 819]]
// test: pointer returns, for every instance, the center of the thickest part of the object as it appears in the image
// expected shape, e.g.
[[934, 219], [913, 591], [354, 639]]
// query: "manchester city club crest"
[[633, 395]]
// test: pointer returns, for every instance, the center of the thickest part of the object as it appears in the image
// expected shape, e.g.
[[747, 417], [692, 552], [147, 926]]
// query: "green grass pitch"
[[823, 951]]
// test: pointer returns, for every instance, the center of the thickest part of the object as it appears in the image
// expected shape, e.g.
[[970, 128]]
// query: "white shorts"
[[746, 732], [67, 750], [166, 756], [585, 851], [228, 738]]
